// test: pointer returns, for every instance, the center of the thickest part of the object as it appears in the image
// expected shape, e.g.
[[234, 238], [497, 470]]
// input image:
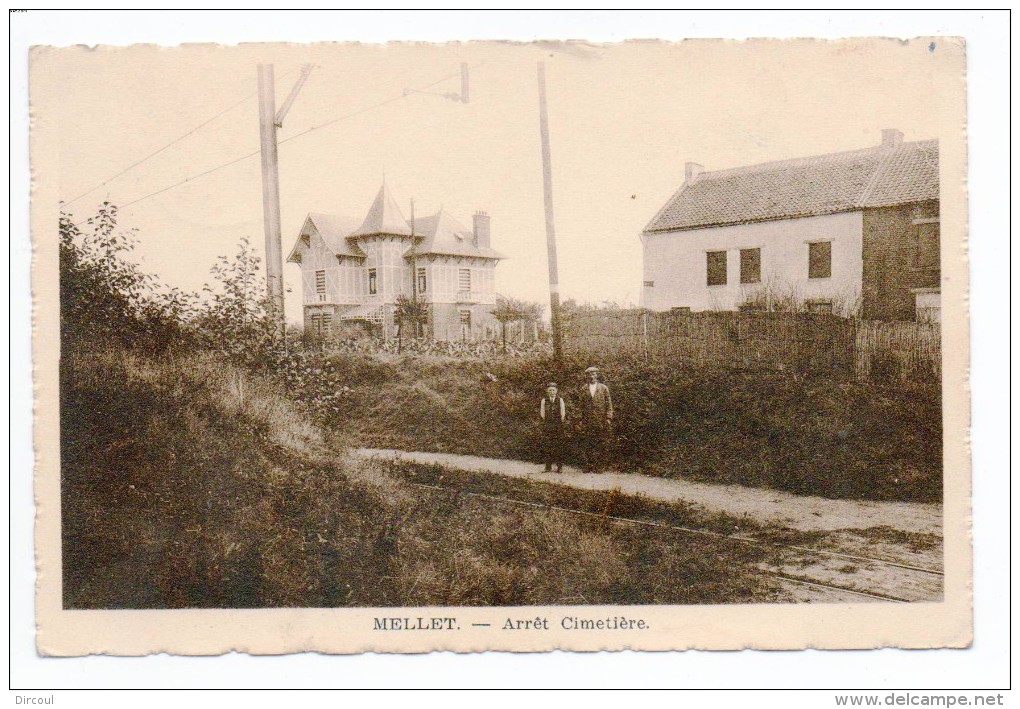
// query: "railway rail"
[[784, 577]]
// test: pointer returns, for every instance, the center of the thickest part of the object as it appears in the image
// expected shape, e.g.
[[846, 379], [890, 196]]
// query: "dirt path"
[[797, 512]]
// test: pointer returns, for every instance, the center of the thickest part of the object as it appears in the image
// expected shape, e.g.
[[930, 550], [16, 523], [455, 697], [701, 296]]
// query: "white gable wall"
[[316, 257], [443, 278], [344, 278], [676, 263]]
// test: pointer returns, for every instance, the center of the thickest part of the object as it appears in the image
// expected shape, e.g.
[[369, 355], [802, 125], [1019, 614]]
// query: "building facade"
[[854, 234], [353, 272]]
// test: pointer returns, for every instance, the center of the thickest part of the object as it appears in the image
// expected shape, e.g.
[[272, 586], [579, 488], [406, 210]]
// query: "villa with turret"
[[353, 271]]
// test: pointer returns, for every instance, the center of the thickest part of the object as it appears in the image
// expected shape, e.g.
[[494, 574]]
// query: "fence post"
[[644, 334]]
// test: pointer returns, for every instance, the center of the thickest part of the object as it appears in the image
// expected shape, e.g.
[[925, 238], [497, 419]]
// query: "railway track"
[[783, 574]]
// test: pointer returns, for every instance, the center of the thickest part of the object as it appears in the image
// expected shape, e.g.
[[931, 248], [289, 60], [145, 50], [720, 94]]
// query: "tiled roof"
[[384, 217], [442, 234], [334, 231], [824, 184]]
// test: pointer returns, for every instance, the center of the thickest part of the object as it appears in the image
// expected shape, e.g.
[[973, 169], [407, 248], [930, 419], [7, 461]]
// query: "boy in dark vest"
[[553, 412]]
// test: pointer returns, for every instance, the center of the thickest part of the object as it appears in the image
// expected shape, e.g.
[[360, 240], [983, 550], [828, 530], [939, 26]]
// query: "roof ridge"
[[803, 160], [814, 185]]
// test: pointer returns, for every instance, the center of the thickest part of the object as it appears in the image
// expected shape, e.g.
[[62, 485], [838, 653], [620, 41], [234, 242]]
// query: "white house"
[[354, 270], [848, 233]]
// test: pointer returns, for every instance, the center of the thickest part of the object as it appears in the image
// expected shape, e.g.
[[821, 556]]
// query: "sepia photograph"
[[487, 345]]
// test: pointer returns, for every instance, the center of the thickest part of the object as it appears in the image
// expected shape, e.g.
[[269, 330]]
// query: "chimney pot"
[[692, 170], [891, 137]]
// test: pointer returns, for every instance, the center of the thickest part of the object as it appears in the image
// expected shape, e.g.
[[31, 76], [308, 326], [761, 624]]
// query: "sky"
[[624, 118]]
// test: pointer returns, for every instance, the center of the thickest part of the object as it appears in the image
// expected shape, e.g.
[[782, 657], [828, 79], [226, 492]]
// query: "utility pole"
[[269, 121], [550, 227]]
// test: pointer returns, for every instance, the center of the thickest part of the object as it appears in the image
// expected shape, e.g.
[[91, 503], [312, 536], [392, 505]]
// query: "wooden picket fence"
[[898, 350], [802, 343]]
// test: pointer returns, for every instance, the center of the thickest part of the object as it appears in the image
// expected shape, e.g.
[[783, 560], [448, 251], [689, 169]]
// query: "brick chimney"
[[692, 170], [481, 230], [891, 137]]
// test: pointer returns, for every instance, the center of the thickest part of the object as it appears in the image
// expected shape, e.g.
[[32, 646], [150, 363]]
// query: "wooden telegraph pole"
[[269, 121], [550, 227]]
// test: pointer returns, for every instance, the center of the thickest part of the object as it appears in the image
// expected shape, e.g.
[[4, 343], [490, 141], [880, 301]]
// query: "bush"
[[835, 439], [189, 493], [105, 297]]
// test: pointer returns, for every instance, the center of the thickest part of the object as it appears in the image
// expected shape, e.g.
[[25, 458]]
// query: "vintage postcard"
[[501, 346]]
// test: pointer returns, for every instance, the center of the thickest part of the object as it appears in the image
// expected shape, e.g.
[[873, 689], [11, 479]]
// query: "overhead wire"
[[168, 145], [286, 140]]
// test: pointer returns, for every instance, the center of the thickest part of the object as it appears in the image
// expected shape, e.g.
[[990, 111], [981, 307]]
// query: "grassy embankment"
[[186, 483], [821, 437]]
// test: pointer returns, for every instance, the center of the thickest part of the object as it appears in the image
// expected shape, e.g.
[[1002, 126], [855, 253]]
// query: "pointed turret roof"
[[384, 217]]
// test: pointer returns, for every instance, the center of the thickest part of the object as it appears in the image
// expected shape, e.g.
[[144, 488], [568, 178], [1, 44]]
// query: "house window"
[[716, 268], [649, 284], [464, 279], [306, 240], [926, 245], [820, 307], [928, 305], [465, 317], [372, 282], [422, 282], [322, 324], [320, 284], [750, 265], [819, 259]]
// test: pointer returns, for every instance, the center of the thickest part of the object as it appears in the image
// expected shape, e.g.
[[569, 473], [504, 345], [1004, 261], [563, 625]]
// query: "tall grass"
[[838, 439], [187, 483]]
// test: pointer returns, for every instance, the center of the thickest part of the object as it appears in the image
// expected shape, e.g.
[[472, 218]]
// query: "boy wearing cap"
[[553, 412], [596, 419]]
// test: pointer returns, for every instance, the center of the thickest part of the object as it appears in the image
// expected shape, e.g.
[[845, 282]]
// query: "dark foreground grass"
[[836, 439], [187, 484], [604, 504]]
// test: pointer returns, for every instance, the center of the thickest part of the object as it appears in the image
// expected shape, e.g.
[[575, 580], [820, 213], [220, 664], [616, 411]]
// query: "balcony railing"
[[464, 297], [470, 296]]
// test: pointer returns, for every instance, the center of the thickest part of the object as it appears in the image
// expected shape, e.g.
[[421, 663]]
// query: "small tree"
[[409, 310], [236, 317], [510, 310]]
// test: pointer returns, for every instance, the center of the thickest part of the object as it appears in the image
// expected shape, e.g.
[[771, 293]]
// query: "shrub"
[[105, 297]]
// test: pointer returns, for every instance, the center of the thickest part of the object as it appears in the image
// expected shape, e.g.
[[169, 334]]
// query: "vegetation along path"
[[829, 550], [802, 513]]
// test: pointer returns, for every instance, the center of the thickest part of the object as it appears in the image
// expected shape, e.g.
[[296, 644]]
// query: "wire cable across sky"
[[242, 158], [156, 152]]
